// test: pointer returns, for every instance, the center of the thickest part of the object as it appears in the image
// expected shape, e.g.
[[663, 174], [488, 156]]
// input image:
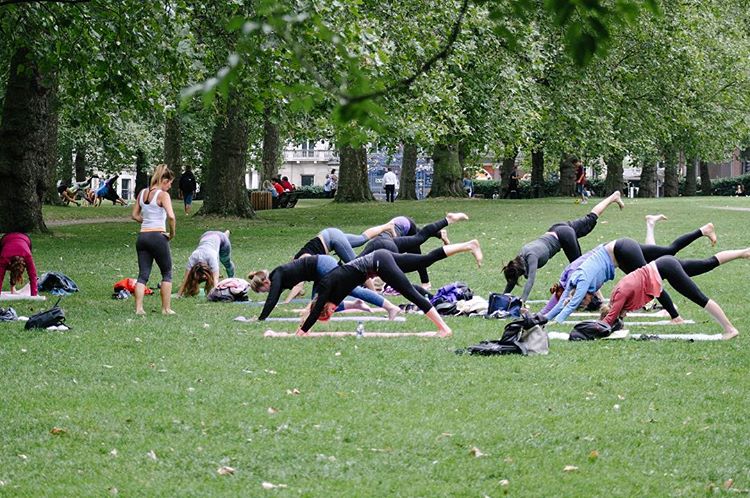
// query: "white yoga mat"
[[7, 296], [637, 314], [619, 335], [366, 335], [562, 336], [340, 319], [654, 323], [545, 301]]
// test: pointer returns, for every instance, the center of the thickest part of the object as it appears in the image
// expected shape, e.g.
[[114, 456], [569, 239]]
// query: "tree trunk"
[[224, 186], [80, 162], [614, 180], [509, 161], [705, 179], [447, 178], [567, 176], [647, 187], [173, 151], [353, 184], [537, 173], [271, 158], [66, 172], [141, 173], [691, 181], [671, 176], [28, 110], [408, 190]]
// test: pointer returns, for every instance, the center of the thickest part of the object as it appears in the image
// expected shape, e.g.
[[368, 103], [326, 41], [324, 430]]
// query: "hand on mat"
[[677, 320], [301, 333]]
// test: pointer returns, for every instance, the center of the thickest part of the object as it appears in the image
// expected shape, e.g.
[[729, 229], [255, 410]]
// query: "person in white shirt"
[[390, 180]]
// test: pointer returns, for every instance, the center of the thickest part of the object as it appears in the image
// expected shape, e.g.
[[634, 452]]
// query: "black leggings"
[[407, 244], [391, 268], [631, 255], [569, 232], [152, 246], [678, 272]]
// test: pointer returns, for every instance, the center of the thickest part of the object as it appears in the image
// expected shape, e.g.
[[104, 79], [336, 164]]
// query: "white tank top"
[[154, 216]]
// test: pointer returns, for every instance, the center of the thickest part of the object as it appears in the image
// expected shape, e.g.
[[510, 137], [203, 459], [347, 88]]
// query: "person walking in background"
[[468, 184], [512, 183], [334, 183], [187, 188], [389, 182], [580, 180]]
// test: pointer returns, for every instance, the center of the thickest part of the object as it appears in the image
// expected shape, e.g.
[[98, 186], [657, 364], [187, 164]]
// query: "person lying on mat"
[[390, 267], [15, 258], [644, 284]]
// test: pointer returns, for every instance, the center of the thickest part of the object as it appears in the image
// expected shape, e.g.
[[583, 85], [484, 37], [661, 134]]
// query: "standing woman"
[[152, 210], [15, 258]]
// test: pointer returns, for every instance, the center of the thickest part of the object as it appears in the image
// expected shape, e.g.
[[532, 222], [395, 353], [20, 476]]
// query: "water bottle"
[[360, 329]]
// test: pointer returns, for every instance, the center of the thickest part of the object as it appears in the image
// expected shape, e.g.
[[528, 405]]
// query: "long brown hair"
[[514, 270], [16, 267], [257, 279], [200, 272]]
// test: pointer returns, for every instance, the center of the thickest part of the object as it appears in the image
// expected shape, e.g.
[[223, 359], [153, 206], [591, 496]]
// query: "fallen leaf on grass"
[[23, 457], [504, 483], [337, 353], [570, 468], [113, 452], [728, 483], [113, 491], [272, 410], [225, 471], [508, 459], [269, 485], [593, 455], [443, 435], [57, 431], [152, 455], [476, 452], [293, 392]]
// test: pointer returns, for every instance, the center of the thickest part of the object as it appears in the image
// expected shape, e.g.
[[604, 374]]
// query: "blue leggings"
[[342, 243], [225, 254], [327, 264]]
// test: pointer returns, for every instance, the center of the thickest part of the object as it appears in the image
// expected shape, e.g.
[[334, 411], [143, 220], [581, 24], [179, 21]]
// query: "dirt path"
[[86, 221]]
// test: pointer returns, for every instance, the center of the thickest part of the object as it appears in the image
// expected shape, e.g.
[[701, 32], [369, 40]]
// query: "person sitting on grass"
[[636, 289], [203, 263], [15, 258], [390, 267]]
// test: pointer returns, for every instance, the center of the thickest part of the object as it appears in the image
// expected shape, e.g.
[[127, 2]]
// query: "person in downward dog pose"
[[153, 208], [646, 283], [412, 243], [203, 263], [391, 268], [15, 258], [333, 239], [312, 269], [535, 254], [586, 275]]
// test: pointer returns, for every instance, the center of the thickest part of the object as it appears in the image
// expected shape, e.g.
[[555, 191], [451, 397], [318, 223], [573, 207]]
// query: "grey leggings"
[[342, 243], [152, 246]]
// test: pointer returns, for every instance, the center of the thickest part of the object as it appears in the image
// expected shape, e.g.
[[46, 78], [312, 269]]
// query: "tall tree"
[[614, 180], [706, 188], [671, 175], [447, 175], [537, 173], [647, 187], [173, 149], [408, 190], [271, 155], [567, 175], [141, 173], [81, 166], [691, 180], [353, 182]]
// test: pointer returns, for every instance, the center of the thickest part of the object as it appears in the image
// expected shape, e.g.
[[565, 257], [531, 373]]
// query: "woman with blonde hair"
[[15, 258], [152, 210], [203, 263]]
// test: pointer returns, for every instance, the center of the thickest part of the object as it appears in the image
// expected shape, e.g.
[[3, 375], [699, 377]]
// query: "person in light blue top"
[[589, 277]]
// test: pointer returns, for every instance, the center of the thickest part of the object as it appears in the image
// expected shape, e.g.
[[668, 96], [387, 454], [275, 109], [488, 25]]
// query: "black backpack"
[[49, 318], [589, 330], [515, 337]]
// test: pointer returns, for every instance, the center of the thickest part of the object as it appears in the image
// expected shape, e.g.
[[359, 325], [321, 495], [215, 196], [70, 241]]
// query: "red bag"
[[128, 284]]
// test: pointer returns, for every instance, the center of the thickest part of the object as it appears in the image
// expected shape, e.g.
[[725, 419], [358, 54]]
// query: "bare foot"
[[476, 250], [445, 333], [730, 334], [454, 217], [746, 253], [617, 197], [708, 231], [140, 312], [444, 237], [227, 233], [301, 333], [393, 311], [358, 304], [651, 219], [168, 311]]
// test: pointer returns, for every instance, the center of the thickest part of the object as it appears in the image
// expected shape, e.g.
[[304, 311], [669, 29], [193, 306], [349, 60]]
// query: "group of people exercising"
[[393, 249]]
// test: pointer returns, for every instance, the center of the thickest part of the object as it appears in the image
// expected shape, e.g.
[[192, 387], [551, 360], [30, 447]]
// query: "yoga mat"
[[620, 334], [544, 301], [261, 303], [637, 314], [6, 296], [654, 323], [334, 319], [365, 335]]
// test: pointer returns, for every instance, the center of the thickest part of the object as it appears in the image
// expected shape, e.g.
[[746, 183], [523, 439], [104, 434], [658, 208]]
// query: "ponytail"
[[161, 172], [257, 279], [200, 272]]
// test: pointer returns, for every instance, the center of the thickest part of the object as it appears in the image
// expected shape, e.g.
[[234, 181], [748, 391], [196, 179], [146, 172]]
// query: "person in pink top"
[[15, 257], [636, 289]]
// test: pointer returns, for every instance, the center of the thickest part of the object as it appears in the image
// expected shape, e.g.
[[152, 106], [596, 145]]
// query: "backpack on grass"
[[49, 318], [526, 337], [503, 306]]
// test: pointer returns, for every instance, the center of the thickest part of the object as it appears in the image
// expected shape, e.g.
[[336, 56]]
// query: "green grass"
[[373, 417]]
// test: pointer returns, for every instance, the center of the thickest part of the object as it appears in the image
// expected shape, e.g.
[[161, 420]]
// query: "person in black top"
[[411, 243], [391, 268], [535, 254], [187, 187], [310, 268]]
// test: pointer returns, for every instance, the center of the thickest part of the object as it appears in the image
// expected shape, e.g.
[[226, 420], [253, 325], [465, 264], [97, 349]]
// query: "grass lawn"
[[153, 406]]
